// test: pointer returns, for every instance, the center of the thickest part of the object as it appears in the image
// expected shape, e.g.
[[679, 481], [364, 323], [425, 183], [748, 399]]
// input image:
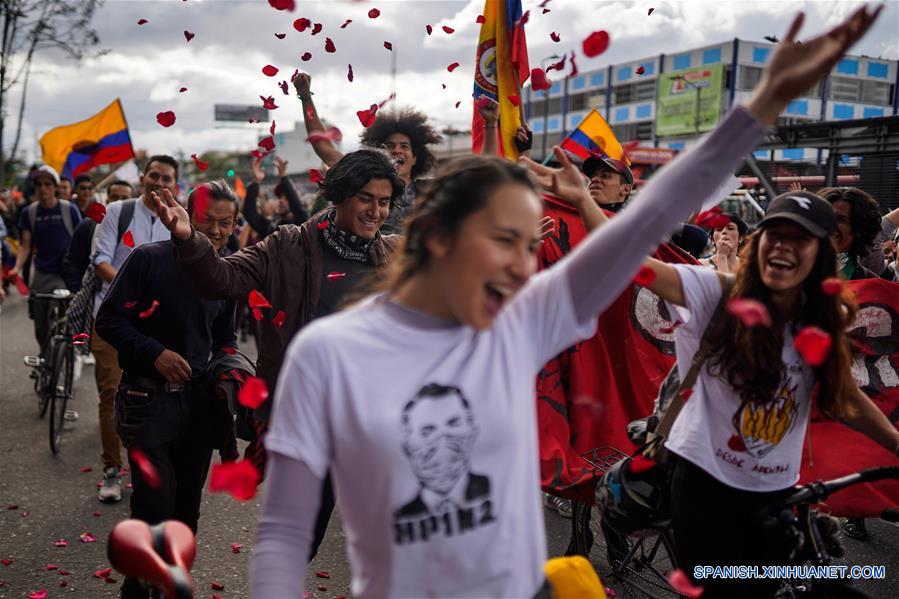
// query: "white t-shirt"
[[754, 448], [429, 430]]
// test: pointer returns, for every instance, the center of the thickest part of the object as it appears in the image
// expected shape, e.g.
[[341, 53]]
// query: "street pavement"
[[45, 498]]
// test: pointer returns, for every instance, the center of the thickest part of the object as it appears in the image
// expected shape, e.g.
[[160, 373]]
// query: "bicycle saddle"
[[161, 555]]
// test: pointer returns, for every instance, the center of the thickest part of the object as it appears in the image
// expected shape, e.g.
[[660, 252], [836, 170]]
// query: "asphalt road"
[[54, 500]]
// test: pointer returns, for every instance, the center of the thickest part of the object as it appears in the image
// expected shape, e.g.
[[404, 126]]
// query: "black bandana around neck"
[[345, 244]]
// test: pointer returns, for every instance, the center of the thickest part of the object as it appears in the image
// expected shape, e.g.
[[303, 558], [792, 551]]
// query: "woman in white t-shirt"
[[420, 399], [740, 435]]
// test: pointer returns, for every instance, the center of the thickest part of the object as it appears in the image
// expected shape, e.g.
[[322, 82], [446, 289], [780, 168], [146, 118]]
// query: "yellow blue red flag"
[[79, 147], [594, 137], [501, 67]]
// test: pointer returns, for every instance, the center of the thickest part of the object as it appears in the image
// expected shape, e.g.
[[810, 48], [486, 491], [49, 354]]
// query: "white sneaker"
[[558, 504], [90, 360], [79, 364], [111, 491]]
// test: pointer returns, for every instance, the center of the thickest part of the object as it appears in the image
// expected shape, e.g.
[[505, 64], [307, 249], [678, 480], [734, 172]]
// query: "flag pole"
[[111, 176]]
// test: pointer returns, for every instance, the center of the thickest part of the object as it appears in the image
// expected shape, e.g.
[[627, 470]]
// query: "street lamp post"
[[553, 58]]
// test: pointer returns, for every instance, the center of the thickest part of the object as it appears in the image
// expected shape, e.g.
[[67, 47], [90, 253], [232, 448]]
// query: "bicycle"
[[160, 556], [53, 369]]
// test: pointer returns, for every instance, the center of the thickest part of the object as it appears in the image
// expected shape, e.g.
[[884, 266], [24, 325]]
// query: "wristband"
[[490, 126], [306, 97]]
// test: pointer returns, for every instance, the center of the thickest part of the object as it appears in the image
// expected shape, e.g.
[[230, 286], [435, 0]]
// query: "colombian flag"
[[501, 67], [594, 137], [100, 139]]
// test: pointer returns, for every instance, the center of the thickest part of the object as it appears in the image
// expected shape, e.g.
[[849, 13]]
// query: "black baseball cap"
[[808, 210], [596, 162]]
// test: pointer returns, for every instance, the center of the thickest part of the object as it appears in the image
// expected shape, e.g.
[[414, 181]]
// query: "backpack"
[[80, 312], [66, 210]]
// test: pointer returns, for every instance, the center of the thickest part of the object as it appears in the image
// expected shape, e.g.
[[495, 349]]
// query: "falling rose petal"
[[323, 574], [522, 20], [315, 176], [87, 537], [650, 12], [149, 311], [686, 393], [316, 28], [596, 43], [97, 514], [574, 69], [640, 463], [345, 23], [306, 57], [444, 85], [545, 10], [349, 73], [147, 470], [448, 30], [96, 212], [813, 345], [188, 35], [322, 225], [130, 305], [142, 21], [751, 313], [329, 46], [229, 350], [238, 479], [268, 103], [257, 313], [645, 276], [539, 81], [301, 24], [515, 100], [267, 143], [284, 88], [166, 119], [253, 393], [374, 13], [481, 19], [41, 594], [85, 469], [429, 29], [458, 103], [452, 67], [217, 586], [104, 573], [555, 37], [257, 300], [287, 5], [294, 76], [367, 117], [182, 90], [681, 583], [60, 543], [280, 36], [832, 286], [128, 239], [388, 45], [641, 70], [200, 164], [735, 443], [269, 70], [335, 275], [557, 66], [236, 547]]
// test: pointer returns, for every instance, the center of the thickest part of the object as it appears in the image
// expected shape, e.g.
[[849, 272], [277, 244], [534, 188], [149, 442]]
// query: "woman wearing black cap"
[[728, 241], [739, 438]]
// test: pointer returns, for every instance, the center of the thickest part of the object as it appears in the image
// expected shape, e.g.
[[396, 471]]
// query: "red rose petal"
[[257, 300], [315, 176], [345, 23], [316, 28], [686, 394], [96, 212], [236, 547], [60, 543], [448, 30], [301, 24], [129, 305], [650, 12], [458, 103], [323, 574], [109, 580], [752, 313], [714, 218], [271, 128], [97, 514], [267, 143], [63, 583], [429, 29], [367, 117], [388, 45], [452, 67], [555, 37], [149, 311], [229, 350], [349, 73], [832, 286], [52, 567], [268, 103], [640, 463], [335, 275], [735, 443], [166, 119], [444, 85], [515, 100], [481, 19], [322, 587], [87, 537], [253, 393], [322, 225], [294, 76], [188, 35], [596, 43], [279, 318], [257, 313], [545, 10], [282, 4], [147, 470], [280, 36], [85, 468], [329, 46], [104, 573], [645, 276], [128, 239], [64, 572], [142, 21], [641, 70], [522, 20], [238, 479], [6, 562], [306, 56], [574, 69], [41, 594], [200, 164], [539, 81], [182, 90], [374, 13], [681, 583], [813, 345], [217, 586], [269, 70]]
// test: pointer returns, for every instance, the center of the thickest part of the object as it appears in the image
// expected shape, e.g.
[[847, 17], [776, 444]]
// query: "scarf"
[[345, 244]]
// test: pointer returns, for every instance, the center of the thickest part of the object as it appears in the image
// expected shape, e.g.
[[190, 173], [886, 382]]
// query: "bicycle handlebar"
[[820, 490], [161, 555]]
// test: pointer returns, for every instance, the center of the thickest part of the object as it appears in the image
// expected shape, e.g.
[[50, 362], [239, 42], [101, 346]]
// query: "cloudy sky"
[[146, 65]]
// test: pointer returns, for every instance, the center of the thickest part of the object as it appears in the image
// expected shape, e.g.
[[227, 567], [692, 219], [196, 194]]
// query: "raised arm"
[[325, 148], [257, 222], [490, 113], [300, 214]]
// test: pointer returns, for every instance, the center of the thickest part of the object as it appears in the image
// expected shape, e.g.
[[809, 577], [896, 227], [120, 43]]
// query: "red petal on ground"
[[329, 46], [64, 572], [149, 311], [217, 586], [640, 463], [367, 117], [200, 164], [681, 583], [345, 23], [752, 313], [52, 567], [813, 345], [306, 56], [236, 547], [128, 239], [323, 574], [596, 43], [374, 13], [238, 479], [515, 100], [335, 275], [188, 35], [269, 70], [539, 81], [735, 443], [97, 514], [61, 543], [253, 393], [832, 286], [315, 176], [301, 24], [452, 67], [429, 29], [96, 212], [268, 103], [85, 468], [388, 45], [257, 300], [481, 19], [322, 587], [87, 537], [288, 5], [5, 562], [105, 572], [349, 73], [448, 30], [641, 70], [166, 119], [555, 37], [316, 28], [147, 470], [142, 21], [41, 594], [645, 276]]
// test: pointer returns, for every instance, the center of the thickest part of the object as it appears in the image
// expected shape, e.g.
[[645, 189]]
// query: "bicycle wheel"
[[61, 379], [42, 382], [641, 564]]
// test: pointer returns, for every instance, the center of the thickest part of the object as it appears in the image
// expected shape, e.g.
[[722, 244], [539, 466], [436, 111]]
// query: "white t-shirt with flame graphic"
[[754, 448]]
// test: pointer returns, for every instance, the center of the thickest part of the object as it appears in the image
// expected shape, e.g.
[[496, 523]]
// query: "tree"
[[30, 26]]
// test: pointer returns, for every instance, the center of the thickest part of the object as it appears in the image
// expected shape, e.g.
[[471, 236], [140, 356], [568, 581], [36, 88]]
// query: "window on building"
[[848, 66], [876, 92], [760, 54], [711, 56], [749, 77], [845, 89], [578, 83], [623, 94], [682, 62], [577, 102], [644, 111], [871, 112], [625, 73], [597, 99], [555, 105], [878, 69], [645, 90], [644, 130], [843, 111], [633, 131], [597, 79], [622, 113]]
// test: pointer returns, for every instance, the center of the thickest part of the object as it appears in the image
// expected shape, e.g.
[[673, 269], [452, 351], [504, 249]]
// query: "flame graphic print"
[[763, 427]]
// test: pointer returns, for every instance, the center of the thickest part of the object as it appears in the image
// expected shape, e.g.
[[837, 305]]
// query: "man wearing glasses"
[[84, 192], [143, 226]]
